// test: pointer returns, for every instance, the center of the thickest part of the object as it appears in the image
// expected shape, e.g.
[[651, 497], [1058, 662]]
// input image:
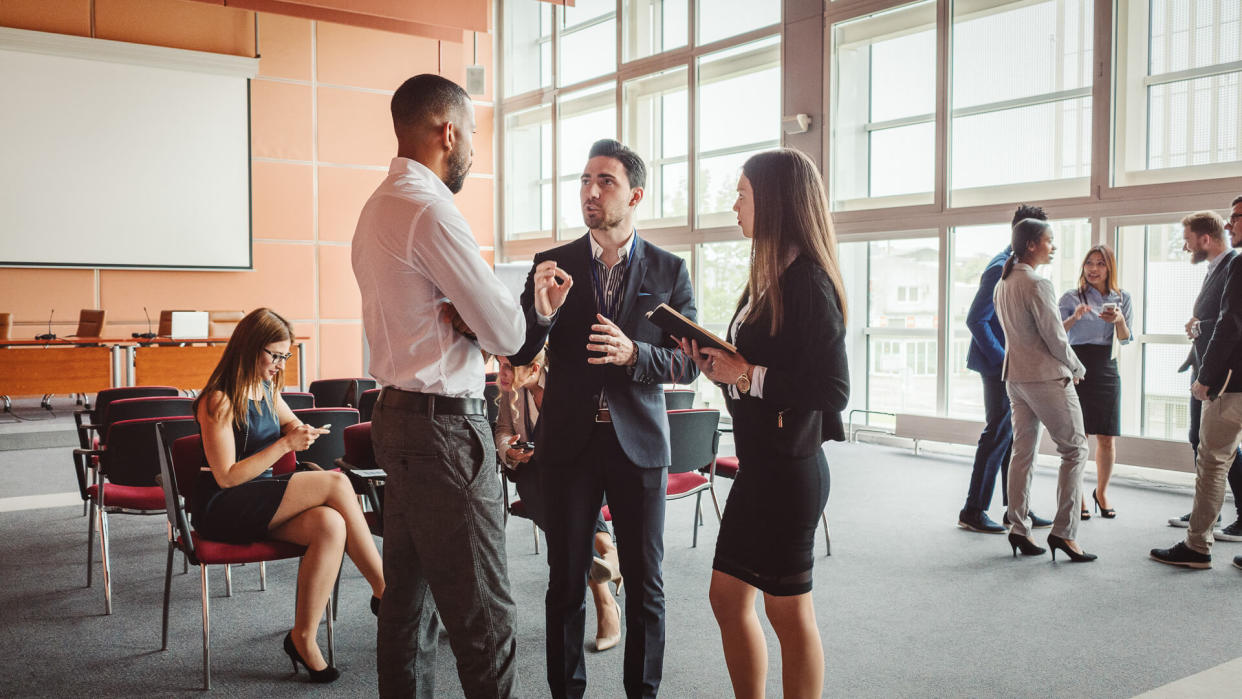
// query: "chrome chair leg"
[[228, 580], [262, 575], [206, 629], [534, 529], [698, 519], [715, 503], [104, 555], [90, 544], [167, 592]]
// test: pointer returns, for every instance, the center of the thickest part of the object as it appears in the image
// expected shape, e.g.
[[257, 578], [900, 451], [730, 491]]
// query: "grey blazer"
[[1036, 348]]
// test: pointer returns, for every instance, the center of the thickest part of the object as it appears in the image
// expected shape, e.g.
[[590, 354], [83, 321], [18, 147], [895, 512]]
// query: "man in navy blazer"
[[986, 356], [603, 430]]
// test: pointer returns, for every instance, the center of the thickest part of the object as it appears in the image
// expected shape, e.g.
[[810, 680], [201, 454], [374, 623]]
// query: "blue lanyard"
[[601, 305]]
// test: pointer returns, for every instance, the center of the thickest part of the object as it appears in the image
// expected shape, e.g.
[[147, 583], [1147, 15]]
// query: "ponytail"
[[1009, 263]]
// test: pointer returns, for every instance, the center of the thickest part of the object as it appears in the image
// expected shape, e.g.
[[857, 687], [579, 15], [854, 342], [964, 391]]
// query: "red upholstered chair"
[[180, 461], [517, 508], [693, 440], [728, 467], [297, 400], [365, 475], [89, 420], [124, 482]]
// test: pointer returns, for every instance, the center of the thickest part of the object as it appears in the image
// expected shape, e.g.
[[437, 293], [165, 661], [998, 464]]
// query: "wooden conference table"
[[44, 367]]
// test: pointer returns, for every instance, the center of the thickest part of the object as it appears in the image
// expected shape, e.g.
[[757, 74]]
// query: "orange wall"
[[321, 140]]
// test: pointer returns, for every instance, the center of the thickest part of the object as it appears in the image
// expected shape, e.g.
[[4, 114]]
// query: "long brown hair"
[[791, 217], [237, 374], [1110, 263]]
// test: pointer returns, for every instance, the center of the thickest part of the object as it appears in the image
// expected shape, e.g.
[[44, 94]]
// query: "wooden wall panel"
[[342, 193], [283, 201], [339, 297], [284, 47], [367, 58], [56, 16], [177, 24]]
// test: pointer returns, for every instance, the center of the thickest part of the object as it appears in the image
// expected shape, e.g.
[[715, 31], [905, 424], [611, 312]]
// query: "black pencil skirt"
[[237, 515], [1100, 392], [767, 535]]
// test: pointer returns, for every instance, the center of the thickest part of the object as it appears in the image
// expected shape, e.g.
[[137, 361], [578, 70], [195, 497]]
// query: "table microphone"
[[50, 335], [148, 335]]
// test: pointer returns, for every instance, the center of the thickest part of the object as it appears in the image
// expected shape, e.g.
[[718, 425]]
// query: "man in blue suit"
[[986, 355], [603, 429]]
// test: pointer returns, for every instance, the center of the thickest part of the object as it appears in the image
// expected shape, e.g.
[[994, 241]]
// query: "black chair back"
[[331, 446], [340, 393], [366, 403], [139, 408], [106, 396], [678, 399], [179, 459], [132, 455], [693, 438], [297, 400]]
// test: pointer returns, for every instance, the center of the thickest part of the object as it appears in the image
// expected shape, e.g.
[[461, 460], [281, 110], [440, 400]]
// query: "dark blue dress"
[[241, 514]]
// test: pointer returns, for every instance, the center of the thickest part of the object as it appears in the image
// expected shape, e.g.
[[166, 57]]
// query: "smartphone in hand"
[[325, 427]]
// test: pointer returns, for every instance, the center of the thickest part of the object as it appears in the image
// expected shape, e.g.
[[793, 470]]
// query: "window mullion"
[[944, 57]]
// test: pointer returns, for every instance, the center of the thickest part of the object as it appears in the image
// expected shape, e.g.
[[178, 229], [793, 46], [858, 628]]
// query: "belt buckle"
[[602, 415]]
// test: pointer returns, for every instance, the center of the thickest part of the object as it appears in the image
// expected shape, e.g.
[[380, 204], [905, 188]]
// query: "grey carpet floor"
[[908, 604]]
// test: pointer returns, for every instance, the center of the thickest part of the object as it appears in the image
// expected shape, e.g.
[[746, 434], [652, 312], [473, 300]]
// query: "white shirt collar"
[[597, 250], [406, 166]]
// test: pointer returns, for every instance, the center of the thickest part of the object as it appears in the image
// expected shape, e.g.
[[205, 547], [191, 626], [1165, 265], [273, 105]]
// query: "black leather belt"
[[431, 404]]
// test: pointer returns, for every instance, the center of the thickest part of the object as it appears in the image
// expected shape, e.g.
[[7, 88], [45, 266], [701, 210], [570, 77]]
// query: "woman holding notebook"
[[785, 388]]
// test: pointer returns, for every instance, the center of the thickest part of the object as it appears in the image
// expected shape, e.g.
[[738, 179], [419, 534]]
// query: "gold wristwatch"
[[743, 383]]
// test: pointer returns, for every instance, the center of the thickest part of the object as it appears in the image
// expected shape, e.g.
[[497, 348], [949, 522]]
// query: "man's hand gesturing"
[[552, 285]]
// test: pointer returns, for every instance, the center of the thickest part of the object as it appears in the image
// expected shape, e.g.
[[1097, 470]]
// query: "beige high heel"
[[603, 643]]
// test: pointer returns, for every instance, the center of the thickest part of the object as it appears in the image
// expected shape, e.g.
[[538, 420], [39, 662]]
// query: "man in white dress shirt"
[[444, 553]]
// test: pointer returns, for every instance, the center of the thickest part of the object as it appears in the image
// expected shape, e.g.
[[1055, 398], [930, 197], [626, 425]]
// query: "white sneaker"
[[1233, 532], [1183, 522]]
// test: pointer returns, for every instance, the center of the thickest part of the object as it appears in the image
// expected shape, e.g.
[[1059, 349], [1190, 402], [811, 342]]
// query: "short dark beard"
[[456, 169]]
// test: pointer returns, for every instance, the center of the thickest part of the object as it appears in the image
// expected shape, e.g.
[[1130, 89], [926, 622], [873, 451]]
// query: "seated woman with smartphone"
[[247, 428], [519, 402], [1097, 318]]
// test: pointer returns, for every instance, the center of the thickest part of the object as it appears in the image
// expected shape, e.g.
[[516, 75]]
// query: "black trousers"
[[636, 495]]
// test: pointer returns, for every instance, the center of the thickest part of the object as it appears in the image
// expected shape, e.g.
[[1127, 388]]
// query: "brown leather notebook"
[[679, 326]]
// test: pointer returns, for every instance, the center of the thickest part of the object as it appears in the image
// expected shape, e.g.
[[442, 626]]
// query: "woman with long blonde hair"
[[519, 402], [785, 387], [1097, 317], [247, 428]]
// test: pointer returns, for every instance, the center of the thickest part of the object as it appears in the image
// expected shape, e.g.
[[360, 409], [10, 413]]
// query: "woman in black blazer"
[[785, 388]]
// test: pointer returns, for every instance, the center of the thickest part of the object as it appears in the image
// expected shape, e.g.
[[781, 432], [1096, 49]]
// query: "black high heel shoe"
[[1016, 541], [375, 603], [324, 676], [1105, 512], [1055, 542]]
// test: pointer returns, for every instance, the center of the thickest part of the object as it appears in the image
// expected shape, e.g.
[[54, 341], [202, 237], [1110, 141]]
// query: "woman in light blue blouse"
[[1097, 317]]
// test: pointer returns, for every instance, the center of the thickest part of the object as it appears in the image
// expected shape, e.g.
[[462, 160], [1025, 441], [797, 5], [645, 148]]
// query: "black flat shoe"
[[1105, 512], [1055, 542], [324, 676], [1028, 547], [375, 603]]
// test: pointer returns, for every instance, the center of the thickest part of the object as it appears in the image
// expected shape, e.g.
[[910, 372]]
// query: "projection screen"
[[121, 155]]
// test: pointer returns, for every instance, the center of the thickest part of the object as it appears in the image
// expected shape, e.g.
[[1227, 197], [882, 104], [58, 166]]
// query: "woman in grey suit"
[[1039, 366], [519, 403]]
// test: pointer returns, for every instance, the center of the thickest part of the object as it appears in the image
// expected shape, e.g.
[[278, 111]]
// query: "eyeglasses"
[[277, 356]]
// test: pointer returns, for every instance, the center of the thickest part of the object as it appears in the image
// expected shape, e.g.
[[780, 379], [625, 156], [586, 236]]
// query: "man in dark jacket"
[[1205, 240], [986, 355], [1219, 386]]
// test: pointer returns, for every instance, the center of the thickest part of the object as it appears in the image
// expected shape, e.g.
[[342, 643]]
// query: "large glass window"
[[585, 117], [588, 41], [884, 139], [528, 173], [722, 272], [1155, 269], [656, 123], [1178, 73], [720, 19], [739, 115], [528, 46], [903, 293], [1021, 98], [654, 26]]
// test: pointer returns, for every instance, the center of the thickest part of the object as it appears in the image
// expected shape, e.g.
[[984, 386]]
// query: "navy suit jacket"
[[1207, 308], [987, 339], [635, 394], [1221, 367]]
